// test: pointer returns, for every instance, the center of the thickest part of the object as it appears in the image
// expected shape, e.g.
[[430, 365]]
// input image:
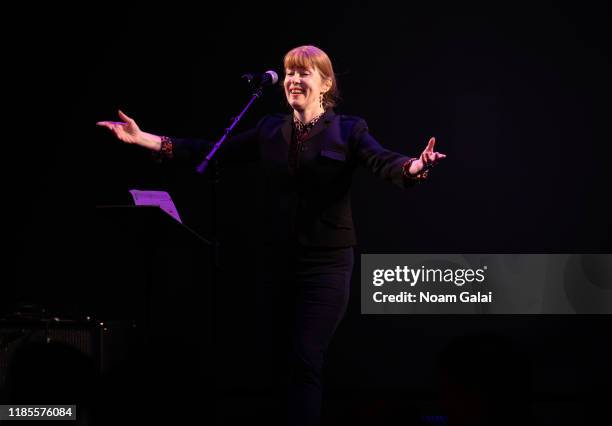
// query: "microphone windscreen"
[[273, 75]]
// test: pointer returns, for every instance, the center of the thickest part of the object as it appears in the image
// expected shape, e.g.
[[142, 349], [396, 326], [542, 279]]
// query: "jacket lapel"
[[322, 125]]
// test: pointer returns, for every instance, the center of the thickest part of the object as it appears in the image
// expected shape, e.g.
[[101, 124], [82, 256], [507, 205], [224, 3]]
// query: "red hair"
[[313, 57]]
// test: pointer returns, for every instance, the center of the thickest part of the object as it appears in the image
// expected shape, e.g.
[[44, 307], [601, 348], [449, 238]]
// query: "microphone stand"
[[204, 164], [202, 167]]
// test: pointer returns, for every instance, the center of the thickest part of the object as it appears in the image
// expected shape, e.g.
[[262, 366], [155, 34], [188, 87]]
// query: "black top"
[[311, 206]]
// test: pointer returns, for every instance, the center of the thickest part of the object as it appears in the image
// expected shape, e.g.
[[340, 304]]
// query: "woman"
[[308, 159]]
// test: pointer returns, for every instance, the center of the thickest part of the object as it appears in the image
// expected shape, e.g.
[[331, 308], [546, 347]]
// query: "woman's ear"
[[328, 84]]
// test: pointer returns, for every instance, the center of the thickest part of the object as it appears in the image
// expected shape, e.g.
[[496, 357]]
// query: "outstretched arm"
[[241, 147], [389, 165], [128, 131]]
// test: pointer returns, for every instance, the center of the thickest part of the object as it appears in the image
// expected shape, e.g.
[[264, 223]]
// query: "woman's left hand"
[[427, 159]]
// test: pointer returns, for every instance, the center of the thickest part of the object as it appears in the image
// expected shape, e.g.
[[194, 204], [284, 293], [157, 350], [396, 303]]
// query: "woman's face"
[[303, 87]]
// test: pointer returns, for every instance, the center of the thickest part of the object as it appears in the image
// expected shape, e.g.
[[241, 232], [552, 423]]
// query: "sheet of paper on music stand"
[[156, 198]]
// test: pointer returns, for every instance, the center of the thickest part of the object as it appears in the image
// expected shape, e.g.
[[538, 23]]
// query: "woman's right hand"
[[129, 132]]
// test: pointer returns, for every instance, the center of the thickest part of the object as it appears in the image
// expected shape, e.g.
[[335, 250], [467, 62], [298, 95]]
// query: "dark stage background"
[[518, 97]]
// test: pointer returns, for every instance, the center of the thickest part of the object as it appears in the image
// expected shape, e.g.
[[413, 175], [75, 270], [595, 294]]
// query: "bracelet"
[[420, 176], [165, 150]]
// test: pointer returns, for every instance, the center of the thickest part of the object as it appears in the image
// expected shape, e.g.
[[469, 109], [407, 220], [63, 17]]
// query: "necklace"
[[303, 128]]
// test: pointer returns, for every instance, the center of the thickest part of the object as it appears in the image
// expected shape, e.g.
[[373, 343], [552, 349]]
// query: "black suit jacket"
[[313, 206]]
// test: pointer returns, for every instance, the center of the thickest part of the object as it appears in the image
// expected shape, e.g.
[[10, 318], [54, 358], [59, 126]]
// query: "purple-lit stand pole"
[[204, 164], [266, 79]]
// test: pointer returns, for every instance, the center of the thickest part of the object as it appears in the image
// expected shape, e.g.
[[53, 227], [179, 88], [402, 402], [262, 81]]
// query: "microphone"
[[268, 78]]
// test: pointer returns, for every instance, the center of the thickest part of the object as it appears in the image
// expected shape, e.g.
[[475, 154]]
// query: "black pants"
[[301, 299]]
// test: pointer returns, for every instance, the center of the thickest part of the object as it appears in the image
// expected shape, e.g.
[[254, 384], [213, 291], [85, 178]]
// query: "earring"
[[321, 100]]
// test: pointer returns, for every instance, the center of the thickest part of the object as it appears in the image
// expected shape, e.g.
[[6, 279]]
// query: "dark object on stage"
[[148, 267], [106, 344], [152, 269]]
